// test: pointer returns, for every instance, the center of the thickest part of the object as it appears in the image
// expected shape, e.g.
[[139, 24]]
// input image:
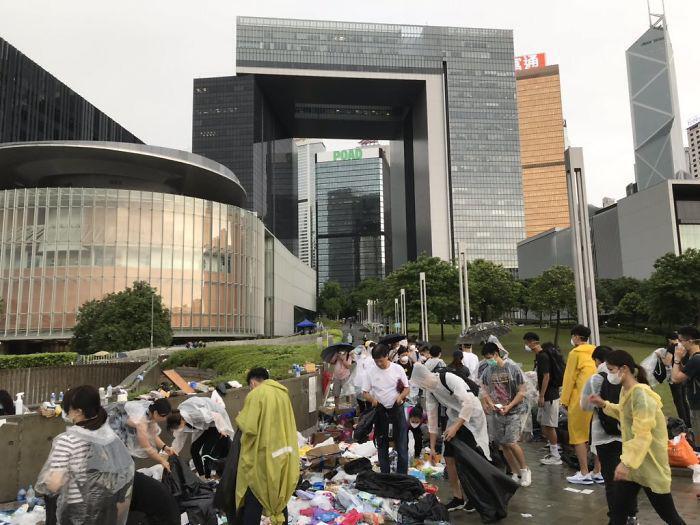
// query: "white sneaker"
[[580, 479], [515, 477], [598, 478], [551, 460], [525, 477]]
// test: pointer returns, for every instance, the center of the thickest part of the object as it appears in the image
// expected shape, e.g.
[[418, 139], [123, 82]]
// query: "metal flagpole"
[[150, 354], [465, 279], [404, 326], [461, 287], [423, 305]]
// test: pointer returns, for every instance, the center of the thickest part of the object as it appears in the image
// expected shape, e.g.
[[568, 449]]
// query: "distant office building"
[[305, 163], [656, 126], [352, 225], [445, 96], [629, 236], [693, 149], [608, 201], [233, 123], [542, 144], [35, 105]]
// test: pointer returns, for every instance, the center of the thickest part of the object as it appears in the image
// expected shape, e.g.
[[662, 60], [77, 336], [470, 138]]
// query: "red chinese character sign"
[[530, 62]]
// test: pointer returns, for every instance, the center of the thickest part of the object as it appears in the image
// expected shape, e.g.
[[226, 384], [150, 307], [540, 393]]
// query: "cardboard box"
[[323, 457], [319, 437]]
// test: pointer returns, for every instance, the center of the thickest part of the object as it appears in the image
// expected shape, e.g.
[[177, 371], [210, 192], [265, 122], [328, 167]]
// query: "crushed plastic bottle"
[[31, 495], [60, 396], [21, 495], [53, 398]]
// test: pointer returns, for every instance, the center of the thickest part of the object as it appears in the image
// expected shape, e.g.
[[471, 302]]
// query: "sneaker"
[[469, 507], [525, 477], [598, 478], [580, 479], [455, 504], [551, 460], [515, 477]]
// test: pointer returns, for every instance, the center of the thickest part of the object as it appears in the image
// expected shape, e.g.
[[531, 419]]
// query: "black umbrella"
[[364, 329], [391, 339], [481, 332], [328, 352]]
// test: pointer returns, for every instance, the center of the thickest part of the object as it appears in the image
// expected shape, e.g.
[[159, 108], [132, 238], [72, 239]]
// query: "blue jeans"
[[396, 416]]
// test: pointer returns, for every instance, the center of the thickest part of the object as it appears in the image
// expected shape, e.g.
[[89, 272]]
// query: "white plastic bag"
[[649, 365]]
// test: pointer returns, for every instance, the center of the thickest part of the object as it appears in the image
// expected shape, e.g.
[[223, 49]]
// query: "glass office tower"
[[351, 228], [476, 89]]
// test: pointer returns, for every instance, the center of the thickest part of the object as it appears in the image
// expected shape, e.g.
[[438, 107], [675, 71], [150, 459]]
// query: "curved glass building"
[[79, 220]]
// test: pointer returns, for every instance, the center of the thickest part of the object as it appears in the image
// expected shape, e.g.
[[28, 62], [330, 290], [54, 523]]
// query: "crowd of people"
[[614, 424]]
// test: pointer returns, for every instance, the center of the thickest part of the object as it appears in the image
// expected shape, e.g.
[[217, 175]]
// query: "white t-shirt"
[[471, 361], [382, 383]]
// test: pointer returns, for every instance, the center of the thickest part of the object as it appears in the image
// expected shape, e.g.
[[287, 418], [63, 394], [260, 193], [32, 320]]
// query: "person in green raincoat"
[[644, 459], [268, 464]]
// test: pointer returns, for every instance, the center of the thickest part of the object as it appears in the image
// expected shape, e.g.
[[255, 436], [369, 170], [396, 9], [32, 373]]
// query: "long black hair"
[[87, 399], [6, 403], [620, 358]]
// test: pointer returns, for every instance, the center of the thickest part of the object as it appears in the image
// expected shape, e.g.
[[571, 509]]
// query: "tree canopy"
[[122, 321], [492, 289], [672, 293], [332, 301], [554, 291]]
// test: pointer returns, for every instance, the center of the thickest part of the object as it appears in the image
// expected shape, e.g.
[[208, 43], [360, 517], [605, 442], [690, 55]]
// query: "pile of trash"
[[339, 485]]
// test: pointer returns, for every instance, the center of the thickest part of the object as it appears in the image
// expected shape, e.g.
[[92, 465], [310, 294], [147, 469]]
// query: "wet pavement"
[[548, 503]]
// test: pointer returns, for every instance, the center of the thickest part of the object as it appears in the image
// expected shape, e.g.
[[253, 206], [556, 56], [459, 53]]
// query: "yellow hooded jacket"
[[579, 368], [269, 459], [644, 437]]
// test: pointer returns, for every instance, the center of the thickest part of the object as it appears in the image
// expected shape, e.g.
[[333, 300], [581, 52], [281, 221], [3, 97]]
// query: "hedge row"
[[37, 360]]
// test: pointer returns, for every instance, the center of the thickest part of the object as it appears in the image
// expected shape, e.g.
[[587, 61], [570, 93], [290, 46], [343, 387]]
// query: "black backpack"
[[556, 367], [609, 392], [473, 387]]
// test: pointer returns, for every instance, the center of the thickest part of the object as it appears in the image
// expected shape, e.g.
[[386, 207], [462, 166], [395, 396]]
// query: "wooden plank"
[[178, 381]]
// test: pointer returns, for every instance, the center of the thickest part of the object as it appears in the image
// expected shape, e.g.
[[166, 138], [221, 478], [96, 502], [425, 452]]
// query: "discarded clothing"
[[427, 508], [193, 495], [225, 497], [365, 425], [358, 465], [394, 486]]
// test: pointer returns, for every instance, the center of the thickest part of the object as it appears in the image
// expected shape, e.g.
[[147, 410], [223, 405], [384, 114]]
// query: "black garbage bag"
[[486, 487], [364, 426], [394, 486], [193, 496], [225, 497], [675, 426], [427, 508], [357, 465]]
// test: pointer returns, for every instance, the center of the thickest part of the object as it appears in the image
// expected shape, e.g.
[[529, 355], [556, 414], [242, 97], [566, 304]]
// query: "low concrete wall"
[[25, 441]]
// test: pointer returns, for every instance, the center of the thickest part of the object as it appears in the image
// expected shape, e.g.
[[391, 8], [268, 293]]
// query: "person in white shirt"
[[364, 361], [386, 388], [470, 359], [435, 360]]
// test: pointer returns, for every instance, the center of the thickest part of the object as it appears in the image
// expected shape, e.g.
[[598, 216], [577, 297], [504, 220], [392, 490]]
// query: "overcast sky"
[[135, 59]]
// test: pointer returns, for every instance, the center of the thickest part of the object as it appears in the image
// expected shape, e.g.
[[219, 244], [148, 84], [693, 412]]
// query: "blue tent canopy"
[[306, 324]]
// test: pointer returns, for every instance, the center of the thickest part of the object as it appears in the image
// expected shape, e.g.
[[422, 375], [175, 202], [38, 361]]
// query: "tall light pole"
[[397, 323], [423, 305], [150, 355], [402, 297]]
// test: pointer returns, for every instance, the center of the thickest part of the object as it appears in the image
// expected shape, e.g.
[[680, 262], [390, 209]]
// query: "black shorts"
[[465, 436]]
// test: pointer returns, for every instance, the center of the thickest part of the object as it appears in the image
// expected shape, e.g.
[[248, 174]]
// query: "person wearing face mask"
[[469, 358], [405, 362], [342, 364], [416, 426], [548, 388], [89, 470], [686, 371], [504, 398], [644, 459], [363, 360], [579, 368], [142, 430], [606, 440]]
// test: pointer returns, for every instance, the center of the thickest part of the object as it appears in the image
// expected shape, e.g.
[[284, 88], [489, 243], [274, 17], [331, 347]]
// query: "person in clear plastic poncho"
[[89, 470], [206, 420], [644, 459], [142, 430]]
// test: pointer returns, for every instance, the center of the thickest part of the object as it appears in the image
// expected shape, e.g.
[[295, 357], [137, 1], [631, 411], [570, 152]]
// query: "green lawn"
[[639, 345]]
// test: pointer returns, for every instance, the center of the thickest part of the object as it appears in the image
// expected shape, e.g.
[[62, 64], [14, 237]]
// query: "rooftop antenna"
[[657, 20]]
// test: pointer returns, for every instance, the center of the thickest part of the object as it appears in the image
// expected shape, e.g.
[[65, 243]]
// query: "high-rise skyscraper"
[[352, 224], [305, 151], [542, 144], [443, 96], [693, 150], [35, 105], [656, 126]]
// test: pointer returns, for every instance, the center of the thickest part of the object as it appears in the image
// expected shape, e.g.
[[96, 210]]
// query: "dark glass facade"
[[35, 105], [477, 67], [234, 125], [351, 228]]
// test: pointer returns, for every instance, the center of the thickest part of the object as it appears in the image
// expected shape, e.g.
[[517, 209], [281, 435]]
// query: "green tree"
[[631, 306], [442, 284], [611, 291], [672, 293], [554, 291], [122, 321], [492, 289], [522, 296], [332, 301], [370, 288]]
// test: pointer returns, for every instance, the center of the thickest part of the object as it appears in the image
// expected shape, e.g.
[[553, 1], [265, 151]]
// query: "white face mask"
[[572, 342], [614, 378], [403, 343], [422, 359], [528, 349], [415, 425], [66, 417], [403, 360]]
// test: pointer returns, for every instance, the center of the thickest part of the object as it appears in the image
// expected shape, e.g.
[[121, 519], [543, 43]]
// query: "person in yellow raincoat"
[[579, 368], [268, 464], [644, 458]]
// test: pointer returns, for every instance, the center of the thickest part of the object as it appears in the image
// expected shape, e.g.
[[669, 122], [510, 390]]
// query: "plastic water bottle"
[[60, 396], [31, 496], [109, 391], [19, 404], [53, 398], [21, 495]]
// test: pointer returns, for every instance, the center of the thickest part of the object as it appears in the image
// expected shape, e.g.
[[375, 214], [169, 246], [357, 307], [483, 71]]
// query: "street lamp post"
[[423, 305], [150, 355], [402, 302], [396, 315]]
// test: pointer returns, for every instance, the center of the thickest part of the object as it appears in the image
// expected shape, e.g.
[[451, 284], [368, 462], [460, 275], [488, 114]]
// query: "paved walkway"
[[548, 502]]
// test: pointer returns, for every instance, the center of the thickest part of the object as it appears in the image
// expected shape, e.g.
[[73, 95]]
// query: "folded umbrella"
[[391, 339], [328, 352], [481, 332]]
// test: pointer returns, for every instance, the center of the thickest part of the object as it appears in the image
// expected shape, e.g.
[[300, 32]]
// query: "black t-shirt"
[[543, 366], [692, 370]]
